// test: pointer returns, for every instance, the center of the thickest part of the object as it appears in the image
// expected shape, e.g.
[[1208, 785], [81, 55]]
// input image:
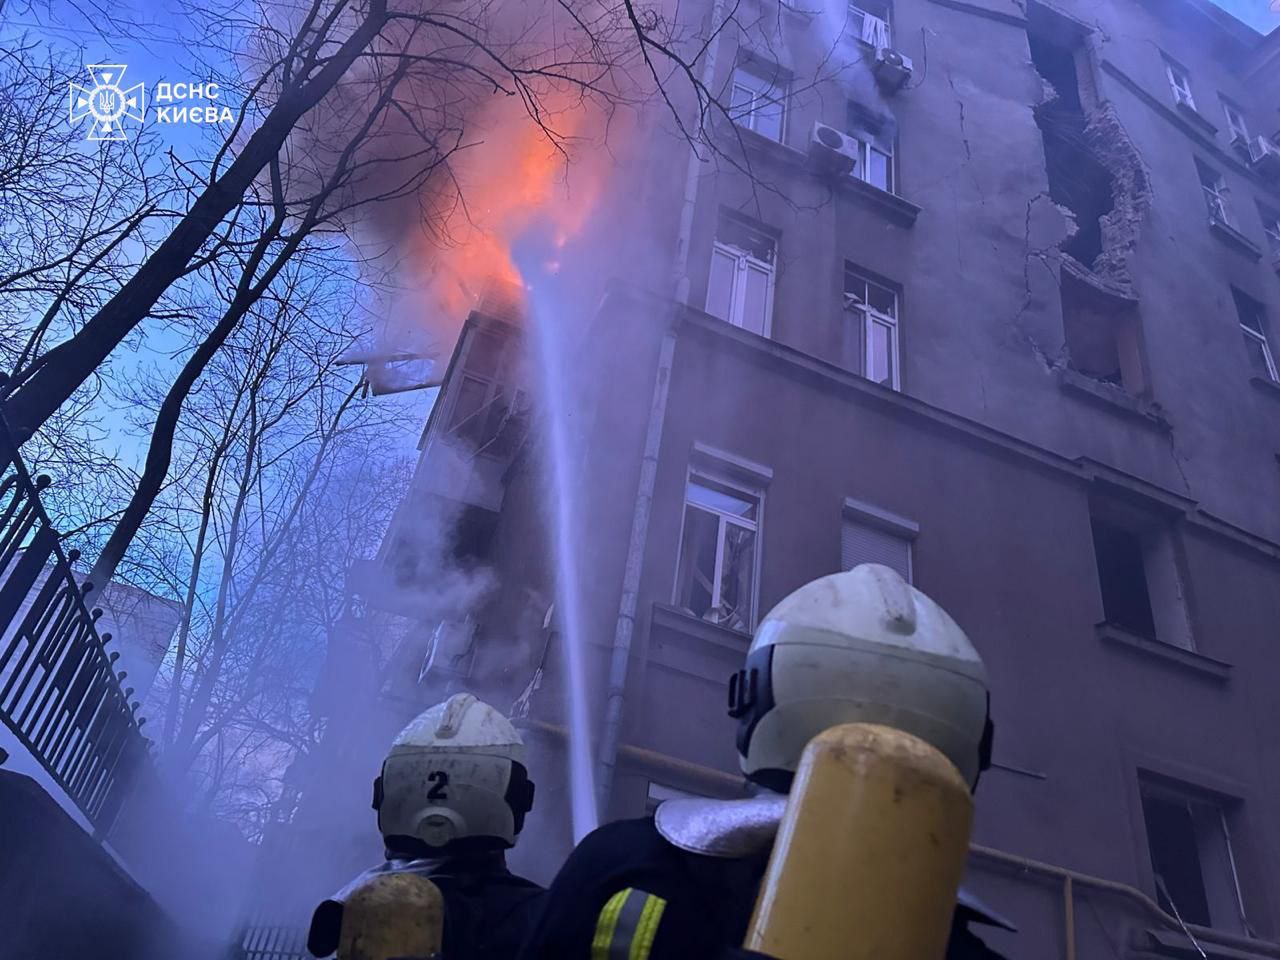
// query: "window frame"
[[871, 317], [1236, 122], [1180, 81], [715, 475], [778, 85], [1168, 782], [869, 515], [744, 261], [1258, 335], [885, 33], [1217, 195], [1271, 228]]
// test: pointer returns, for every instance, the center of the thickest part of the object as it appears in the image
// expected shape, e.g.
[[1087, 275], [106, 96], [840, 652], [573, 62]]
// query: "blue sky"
[[1262, 15]]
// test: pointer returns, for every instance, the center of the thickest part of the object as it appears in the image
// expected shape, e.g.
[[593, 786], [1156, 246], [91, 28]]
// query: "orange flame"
[[514, 179]]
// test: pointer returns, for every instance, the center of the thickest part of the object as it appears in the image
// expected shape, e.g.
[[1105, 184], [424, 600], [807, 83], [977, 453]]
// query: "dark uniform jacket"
[[709, 901], [488, 910]]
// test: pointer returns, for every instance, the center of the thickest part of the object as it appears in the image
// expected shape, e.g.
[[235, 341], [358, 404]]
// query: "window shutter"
[[863, 543]]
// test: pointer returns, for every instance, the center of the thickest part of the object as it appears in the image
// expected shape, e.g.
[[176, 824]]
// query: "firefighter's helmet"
[[862, 646], [455, 775]]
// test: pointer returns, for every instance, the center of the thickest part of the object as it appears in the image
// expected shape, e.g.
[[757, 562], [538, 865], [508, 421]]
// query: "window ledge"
[[680, 621], [1229, 234], [1266, 385], [1196, 117], [1166, 943], [1116, 399], [767, 147], [892, 206], [1187, 659]]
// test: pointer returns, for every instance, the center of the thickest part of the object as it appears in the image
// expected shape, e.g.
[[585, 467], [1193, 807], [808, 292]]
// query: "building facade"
[[998, 307]]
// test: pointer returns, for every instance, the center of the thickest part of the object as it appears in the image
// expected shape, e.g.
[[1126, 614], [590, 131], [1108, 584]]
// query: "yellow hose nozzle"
[[869, 854]]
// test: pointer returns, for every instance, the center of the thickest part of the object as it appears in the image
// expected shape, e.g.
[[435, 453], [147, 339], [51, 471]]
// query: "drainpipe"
[[621, 658]]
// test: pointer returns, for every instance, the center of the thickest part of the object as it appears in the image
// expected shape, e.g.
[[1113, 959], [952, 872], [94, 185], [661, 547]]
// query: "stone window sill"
[[1230, 235], [900, 211], [673, 618], [889, 205], [1197, 118], [1198, 663], [1116, 399], [1267, 386]]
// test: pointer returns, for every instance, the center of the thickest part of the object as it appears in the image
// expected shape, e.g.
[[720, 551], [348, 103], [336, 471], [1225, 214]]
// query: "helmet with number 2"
[[455, 777]]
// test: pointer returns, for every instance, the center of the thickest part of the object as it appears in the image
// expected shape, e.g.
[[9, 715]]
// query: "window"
[[1235, 122], [482, 404], [872, 535], [1271, 227], [1253, 324], [875, 151], [1138, 573], [1192, 860], [1215, 193], [872, 337], [759, 100], [1180, 81], [869, 23], [1103, 336], [719, 551], [740, 287]]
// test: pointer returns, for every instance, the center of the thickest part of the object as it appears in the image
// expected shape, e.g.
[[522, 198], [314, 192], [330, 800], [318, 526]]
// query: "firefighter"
[[684, 882], [451, 799]]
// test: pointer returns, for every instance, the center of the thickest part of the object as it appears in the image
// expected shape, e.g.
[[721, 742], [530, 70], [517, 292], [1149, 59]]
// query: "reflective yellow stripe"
[[647, 928], [627, 925], [607, 924]]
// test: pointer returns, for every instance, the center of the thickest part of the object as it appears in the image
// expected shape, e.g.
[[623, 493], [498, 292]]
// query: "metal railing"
[[59, 691], [273, 942]]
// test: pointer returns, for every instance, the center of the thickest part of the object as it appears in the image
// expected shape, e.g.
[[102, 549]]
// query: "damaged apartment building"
[[999, 306]]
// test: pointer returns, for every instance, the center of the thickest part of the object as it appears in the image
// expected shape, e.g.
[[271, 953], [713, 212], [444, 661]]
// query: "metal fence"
[[59, 691], [274, 942]]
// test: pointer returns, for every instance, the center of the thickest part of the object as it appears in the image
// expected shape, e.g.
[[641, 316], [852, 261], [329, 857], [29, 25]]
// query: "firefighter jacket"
[[627, 892]]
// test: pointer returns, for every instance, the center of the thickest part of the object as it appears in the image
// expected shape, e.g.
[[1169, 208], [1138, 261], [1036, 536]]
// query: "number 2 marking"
[[441, 780]]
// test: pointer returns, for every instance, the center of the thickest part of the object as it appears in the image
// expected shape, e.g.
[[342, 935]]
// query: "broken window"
[[1271, 227], [870, 536], [869, 23], [1077, 179], [740, 285], [758, 99], [1192, 859], [482, 403], [1253, 324], [1139, 574], [1179, 81], [716, 577], [871, 340], [1235, 122], [1216, 192], [1103, 336], [875, 147]]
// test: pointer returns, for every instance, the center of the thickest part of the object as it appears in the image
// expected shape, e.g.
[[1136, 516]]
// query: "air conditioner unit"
[[831, 151], [1264, 157], [892, 69], [451, 651]]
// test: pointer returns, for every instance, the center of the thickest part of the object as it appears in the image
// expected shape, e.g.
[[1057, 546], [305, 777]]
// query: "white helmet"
[[862, 646], [456, 773]]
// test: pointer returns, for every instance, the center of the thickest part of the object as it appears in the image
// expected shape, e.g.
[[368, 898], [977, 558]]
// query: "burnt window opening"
[[1077, 179], [1139, 574], [1103, 336], [1193, 863]]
